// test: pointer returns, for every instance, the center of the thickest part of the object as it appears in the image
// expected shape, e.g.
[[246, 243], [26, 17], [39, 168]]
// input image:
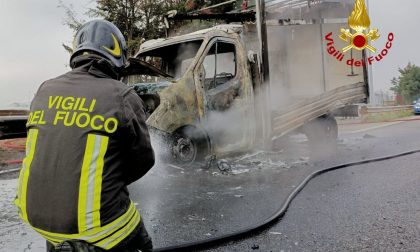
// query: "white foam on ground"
[[15, 235]]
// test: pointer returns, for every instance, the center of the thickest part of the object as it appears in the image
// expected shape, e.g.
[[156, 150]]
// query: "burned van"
[[206, 95]]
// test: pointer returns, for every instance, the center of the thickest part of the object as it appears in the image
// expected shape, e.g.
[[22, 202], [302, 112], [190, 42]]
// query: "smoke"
[[185, 54], [228, 129], [235, 119], [239, 129], [161, 146]]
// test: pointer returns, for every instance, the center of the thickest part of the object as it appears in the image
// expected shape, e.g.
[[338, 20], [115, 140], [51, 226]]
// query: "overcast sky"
[[400, 17], [30, 40], [32, 33]]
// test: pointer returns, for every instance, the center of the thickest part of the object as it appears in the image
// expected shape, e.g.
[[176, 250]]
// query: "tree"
[[70, 20], [196, 5], [408, 83], [138, 20]]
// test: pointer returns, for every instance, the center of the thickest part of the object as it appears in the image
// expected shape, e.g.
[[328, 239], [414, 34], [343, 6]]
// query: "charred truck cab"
[[206, 99], [205, 91]]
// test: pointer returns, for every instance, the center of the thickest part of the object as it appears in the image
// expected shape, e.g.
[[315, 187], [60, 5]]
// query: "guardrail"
[[384, 109], [368, 112], [13, 123], [12, 112]]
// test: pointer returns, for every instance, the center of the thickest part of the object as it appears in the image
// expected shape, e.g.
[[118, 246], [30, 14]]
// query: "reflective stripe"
[[117, 237], [91, 183], [24, 174], [89, 202], [81, 212], [98, 182], [22, 171], [110, 234]]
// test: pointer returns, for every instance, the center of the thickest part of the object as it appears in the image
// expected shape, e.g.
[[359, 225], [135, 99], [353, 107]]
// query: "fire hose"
[[242, 233], [276, 216]]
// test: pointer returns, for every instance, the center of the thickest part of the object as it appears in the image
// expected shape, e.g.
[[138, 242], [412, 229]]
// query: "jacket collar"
[[96, 66]]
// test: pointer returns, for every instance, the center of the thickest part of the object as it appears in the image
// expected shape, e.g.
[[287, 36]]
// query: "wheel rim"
[[185, 150]]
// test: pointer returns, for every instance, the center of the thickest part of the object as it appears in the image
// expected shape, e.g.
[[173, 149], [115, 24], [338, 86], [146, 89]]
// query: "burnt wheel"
[[322, 134], [189, 145]]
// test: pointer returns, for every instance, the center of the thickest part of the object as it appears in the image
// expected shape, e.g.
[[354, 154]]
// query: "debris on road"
[[367, 136], [224, 165]]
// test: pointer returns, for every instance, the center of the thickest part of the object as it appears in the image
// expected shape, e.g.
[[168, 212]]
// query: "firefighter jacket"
[[87, 140]]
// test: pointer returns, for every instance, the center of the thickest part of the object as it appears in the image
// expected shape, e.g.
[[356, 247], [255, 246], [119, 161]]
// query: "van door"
[[228, 102]]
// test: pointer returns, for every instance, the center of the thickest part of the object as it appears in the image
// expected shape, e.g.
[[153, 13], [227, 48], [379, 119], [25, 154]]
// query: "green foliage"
[[71, 20], [195, 5], [138, 20], [67, 48], [387, 116], [408, 83]]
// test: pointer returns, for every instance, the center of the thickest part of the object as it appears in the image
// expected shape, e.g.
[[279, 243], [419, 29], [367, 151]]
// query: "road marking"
[[373, 128], [176, 167]]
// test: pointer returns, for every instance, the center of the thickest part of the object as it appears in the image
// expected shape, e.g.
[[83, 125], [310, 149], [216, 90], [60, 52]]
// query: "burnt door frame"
[[246, 95]]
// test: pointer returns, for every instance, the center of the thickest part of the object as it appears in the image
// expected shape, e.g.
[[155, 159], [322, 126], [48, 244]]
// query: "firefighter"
[[87, 141]]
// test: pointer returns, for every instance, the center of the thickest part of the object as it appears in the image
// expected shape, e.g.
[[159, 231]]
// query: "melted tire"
[[322, 134], [189, 145]]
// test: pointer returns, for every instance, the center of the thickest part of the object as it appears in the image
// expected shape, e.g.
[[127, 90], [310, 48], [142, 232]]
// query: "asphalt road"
[[372, 207]]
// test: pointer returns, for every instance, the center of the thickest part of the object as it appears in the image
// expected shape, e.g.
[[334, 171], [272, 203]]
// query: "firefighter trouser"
[[139, 239]]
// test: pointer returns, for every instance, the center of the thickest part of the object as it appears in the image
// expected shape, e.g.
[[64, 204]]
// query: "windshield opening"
[[173, 59]]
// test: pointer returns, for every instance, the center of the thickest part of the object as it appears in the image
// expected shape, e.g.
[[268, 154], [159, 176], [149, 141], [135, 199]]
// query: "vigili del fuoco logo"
[[359, 37]]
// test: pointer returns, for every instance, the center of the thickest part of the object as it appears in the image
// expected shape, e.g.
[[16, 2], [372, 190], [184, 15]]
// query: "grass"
[[387, 116]]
